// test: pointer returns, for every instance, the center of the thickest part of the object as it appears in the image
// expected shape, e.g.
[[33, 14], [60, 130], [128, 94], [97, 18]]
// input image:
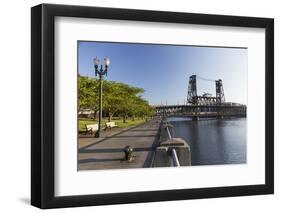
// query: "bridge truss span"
[[204, 105], [218, 111], [205, 99]]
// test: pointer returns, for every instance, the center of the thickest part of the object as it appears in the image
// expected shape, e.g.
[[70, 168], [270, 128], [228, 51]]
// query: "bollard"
[[129, 153]]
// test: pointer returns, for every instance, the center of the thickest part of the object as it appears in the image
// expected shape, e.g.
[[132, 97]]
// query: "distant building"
[[86, 113], [233, 104]]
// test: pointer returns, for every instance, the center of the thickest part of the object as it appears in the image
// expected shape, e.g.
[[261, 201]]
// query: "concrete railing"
[[171, 151]]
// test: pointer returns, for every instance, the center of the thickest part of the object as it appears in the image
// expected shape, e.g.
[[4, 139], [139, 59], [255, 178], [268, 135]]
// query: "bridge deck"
[[200, 106], [108, 153], [206, 114]]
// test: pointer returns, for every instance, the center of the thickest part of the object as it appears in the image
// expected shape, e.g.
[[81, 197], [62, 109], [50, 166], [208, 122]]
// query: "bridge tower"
[[192, 91], [219, 92]]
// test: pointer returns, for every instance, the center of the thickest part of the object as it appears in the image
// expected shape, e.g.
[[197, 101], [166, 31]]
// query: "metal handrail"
[[175, 160], [169, 133]]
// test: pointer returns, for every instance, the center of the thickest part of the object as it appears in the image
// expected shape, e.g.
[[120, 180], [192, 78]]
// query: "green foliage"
[[119, 99], [87, 93]]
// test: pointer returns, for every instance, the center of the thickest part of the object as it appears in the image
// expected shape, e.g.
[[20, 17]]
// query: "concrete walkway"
[[107, 152]]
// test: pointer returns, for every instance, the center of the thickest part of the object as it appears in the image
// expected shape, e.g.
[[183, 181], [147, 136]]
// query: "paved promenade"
[[107, 153]]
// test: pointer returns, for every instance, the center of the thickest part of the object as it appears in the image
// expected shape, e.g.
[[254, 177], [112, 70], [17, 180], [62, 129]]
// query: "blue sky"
[[164, 70]]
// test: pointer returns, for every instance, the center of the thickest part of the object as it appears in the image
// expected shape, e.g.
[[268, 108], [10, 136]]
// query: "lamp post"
[[100, 72]]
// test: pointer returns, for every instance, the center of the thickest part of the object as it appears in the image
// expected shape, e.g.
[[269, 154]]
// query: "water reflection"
[[214, 141]]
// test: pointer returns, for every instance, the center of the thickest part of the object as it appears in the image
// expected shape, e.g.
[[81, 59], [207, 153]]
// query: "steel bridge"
[[205, 105]]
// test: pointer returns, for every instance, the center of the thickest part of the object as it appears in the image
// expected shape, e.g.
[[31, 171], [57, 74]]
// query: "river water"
[[213, 141]]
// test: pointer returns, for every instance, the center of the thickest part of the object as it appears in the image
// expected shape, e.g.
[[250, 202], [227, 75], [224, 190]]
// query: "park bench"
[[110, 125], [91, 128]]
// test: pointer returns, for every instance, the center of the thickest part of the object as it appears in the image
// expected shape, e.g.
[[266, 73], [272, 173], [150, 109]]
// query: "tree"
[[131, 101], [87, 93], [119, 99], [112, 98]]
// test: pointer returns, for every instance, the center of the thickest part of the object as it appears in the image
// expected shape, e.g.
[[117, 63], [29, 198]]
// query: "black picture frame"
[[43, 117]]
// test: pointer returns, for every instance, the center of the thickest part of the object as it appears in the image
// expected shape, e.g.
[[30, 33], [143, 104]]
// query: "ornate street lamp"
[[100, 72]]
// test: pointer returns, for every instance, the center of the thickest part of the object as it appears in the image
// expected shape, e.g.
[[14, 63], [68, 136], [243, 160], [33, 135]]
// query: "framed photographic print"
[[139, 106]]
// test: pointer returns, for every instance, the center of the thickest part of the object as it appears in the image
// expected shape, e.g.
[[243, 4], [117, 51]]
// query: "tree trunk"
[[124, 118], [95, 115], [109, 116]]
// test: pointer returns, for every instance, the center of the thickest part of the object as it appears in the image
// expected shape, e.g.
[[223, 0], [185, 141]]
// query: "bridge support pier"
[[195, 118]]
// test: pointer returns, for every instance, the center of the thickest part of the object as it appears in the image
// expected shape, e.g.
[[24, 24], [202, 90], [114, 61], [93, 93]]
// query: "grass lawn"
[[119, 122]]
